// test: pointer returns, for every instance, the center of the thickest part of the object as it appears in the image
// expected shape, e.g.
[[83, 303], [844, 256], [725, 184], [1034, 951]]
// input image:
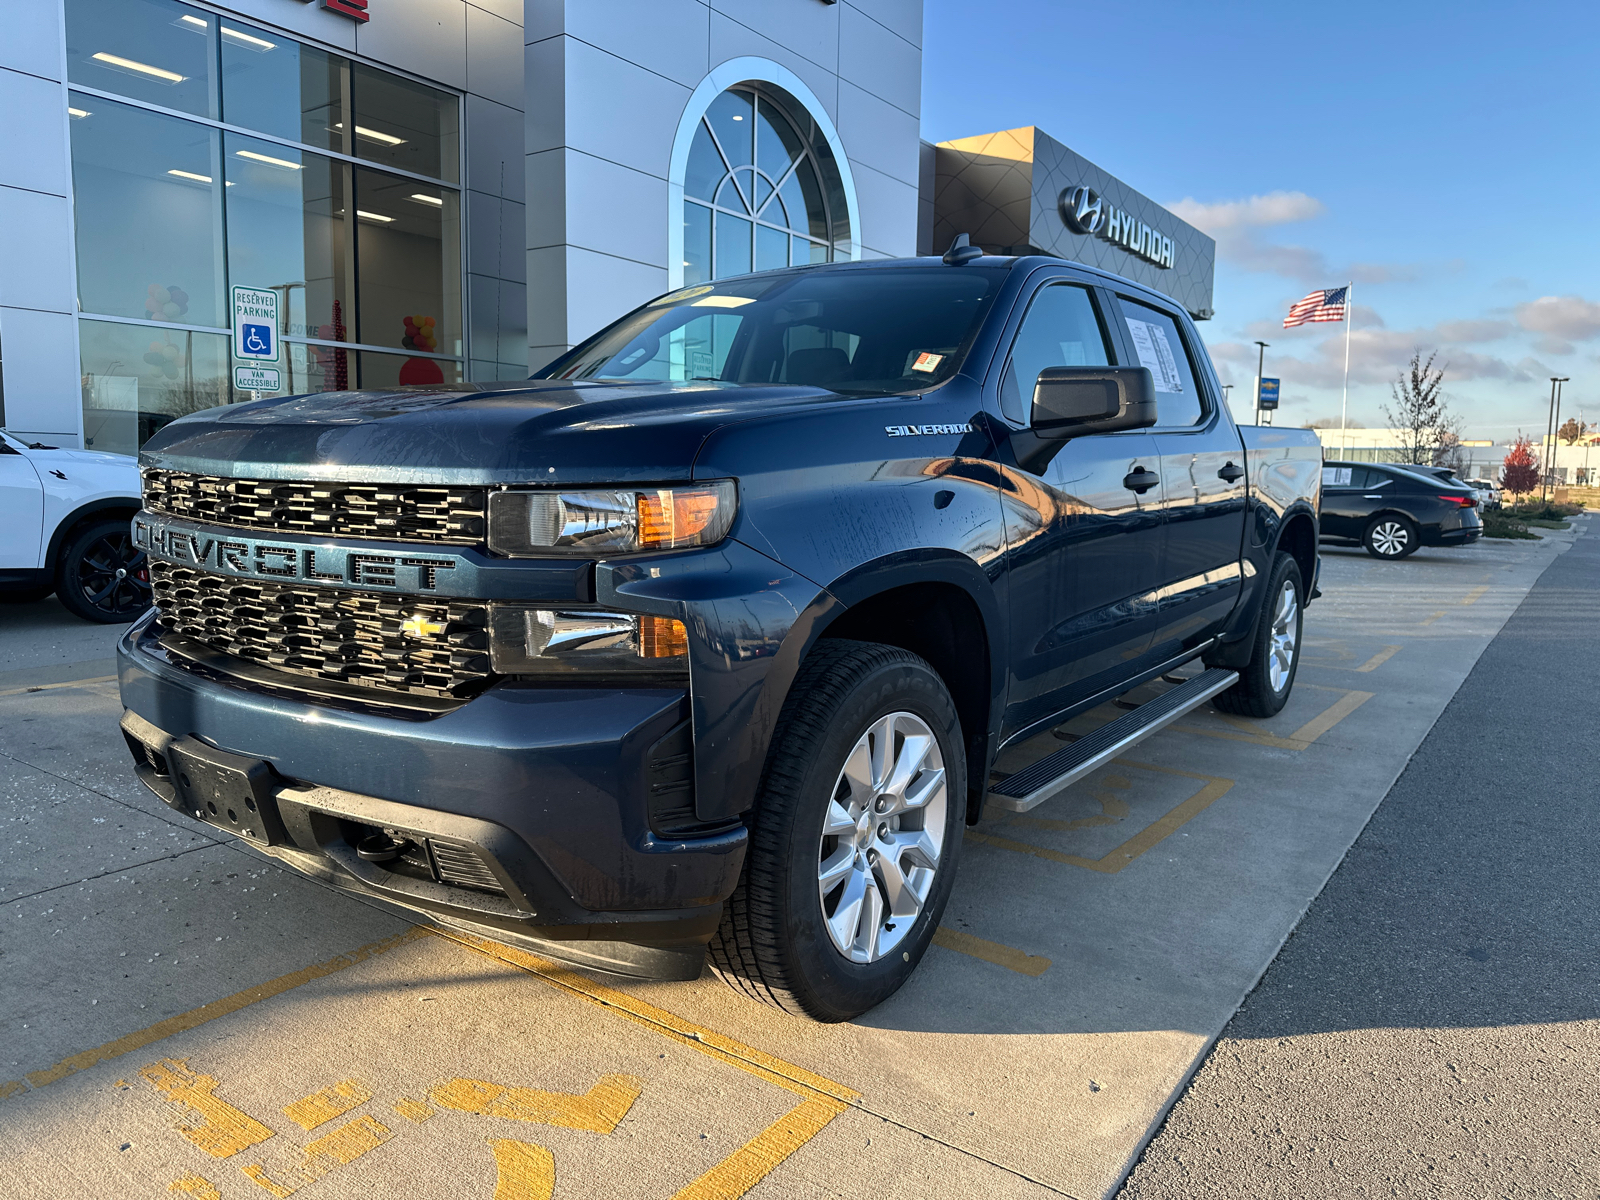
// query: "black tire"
[[1257, 694], [775, 943], [26, 595], [1391, 536], [87, 579]]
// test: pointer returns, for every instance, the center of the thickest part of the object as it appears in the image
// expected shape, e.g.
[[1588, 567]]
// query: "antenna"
[[961, 251]]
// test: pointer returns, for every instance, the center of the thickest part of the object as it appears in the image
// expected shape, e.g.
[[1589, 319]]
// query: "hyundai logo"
[[1082, 209]]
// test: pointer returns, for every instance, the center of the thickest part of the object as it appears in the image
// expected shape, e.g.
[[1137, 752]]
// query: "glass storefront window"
[[761, 190], [387, 370], [408, 254], [170, 210], [274, 84], [399, 123], [288, 231], [152, 50], [149, 214], [137, 378]]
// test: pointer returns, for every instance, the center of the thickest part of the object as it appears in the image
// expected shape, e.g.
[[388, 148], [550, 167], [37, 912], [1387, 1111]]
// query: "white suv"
[[66, 530]]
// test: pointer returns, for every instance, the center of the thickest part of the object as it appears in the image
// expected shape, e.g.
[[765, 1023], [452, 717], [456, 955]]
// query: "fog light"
[[567, 643]]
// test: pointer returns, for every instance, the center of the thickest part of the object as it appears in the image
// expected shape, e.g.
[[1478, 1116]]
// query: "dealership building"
[[433, 190]]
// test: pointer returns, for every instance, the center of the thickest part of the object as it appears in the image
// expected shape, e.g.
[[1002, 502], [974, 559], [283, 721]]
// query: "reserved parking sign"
[[255, 324]]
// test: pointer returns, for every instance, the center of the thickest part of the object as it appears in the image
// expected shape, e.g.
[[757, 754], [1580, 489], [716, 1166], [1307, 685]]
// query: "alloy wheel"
[[882, 835], [1390, 539], [114, 576], [1284, 636]]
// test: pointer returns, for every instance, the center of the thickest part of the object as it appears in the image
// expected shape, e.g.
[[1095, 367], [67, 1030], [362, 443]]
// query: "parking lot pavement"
[[182, 1016], [1433, 1026]]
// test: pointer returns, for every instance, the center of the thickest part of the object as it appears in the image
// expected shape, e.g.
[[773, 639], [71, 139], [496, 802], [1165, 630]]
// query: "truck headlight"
[[542, 641], [525, 524]]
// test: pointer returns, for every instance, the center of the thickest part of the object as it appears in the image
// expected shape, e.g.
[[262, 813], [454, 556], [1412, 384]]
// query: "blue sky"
[[1444, 155]]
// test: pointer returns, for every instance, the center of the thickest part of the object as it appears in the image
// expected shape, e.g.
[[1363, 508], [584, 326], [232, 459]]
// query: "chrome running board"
[[1054, 773]]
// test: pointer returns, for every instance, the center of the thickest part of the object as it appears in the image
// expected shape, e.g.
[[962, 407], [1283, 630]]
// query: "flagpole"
[[1344, 402]]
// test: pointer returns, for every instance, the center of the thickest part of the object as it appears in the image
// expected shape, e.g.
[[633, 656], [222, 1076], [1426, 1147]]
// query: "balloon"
[[155, 359], [171, 311]]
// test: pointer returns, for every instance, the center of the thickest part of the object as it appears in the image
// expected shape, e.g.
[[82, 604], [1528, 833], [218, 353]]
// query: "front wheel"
[[1266, 681], [855, 836], [1390, 537], [102, 576]]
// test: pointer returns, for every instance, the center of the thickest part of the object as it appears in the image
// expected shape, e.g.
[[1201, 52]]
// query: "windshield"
[[853, 331]]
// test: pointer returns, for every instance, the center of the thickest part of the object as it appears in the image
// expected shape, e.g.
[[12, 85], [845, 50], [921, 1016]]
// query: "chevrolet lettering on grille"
[[254, 558]]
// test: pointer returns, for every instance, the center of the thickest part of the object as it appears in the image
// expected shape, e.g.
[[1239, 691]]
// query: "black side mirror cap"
[[1072, 402]]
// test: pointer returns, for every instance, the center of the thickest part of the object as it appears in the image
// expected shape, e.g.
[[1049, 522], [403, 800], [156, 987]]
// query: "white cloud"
[[1561, 318], [1275, 208]]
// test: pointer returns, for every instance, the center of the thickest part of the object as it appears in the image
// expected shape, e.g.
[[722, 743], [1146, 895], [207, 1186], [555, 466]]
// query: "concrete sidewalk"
[[1432, 1028]]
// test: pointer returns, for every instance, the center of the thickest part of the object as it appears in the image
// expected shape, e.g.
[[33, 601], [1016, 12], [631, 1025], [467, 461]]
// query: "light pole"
[[1261, 359], [1549, 446]]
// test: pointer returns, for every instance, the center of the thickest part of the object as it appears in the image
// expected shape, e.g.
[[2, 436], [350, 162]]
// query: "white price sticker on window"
[[1336, 476], [1155, 354]]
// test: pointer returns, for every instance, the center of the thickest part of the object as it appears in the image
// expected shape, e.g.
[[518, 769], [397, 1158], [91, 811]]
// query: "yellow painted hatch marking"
[[1301, 738], [598, 1111], [1008, 957], [719, 1046], [412, 1110], [522, 1171], [197, 1186], [1430, 620], [1378, 659], [1119, 857], [756, 1159], [333, 1101], [333, 1150], [223, 1130], [196, 1017], [1475, 595]]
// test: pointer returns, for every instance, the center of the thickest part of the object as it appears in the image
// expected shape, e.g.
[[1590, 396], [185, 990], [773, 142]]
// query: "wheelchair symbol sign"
[[255, 324]]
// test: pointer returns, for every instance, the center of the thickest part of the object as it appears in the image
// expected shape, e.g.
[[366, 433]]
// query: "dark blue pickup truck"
[[709, 634]]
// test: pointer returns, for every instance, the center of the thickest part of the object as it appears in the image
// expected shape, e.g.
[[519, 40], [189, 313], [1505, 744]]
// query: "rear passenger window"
[[1369, 479], [1158, 345], [1060, 329]]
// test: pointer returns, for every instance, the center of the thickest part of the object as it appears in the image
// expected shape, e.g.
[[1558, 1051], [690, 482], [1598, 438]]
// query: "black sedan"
[[1393, 510]]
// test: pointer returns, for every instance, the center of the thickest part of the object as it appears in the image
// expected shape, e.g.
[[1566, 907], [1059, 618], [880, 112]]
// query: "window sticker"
[[1335, 476], [1155, 354], [927, 361]]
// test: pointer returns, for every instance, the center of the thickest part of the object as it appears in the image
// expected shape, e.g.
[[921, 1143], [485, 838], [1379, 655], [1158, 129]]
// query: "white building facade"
[[429, 191]]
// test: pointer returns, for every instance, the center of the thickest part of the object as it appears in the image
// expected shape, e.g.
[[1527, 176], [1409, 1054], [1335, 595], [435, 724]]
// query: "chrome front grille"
[[359, 510], [423, 647]]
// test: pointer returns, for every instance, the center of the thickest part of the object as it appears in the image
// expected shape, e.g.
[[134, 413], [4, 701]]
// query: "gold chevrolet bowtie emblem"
[[418, 626]]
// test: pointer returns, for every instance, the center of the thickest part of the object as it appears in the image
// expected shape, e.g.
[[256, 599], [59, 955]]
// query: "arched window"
[[761, 189]]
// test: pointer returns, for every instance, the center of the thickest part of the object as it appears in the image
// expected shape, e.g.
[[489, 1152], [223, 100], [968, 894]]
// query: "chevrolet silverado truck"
[[707, 635]]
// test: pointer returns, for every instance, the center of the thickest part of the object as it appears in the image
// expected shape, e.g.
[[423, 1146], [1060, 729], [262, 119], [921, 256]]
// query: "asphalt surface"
[[1432, 1027]]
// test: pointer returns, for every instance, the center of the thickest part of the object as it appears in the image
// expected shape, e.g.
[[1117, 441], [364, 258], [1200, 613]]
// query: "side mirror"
[[1073, 402]]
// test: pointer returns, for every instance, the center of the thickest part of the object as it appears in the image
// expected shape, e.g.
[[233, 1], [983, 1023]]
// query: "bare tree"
[[1420, 414], [1449, 452]]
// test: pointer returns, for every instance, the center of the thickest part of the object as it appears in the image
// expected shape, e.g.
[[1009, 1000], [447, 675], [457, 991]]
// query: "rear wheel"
[[102, 576], [1266, 681], [853, 847], [1390, 536]]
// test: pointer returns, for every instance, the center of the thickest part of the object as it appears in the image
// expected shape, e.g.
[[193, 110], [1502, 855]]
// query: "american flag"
[[1324, 304]]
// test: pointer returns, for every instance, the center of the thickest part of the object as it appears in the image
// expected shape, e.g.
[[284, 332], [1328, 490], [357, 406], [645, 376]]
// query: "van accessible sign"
[[1083, 210], [255, 324]]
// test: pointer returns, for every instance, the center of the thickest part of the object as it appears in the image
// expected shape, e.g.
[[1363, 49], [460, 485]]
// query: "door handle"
[[1372, 497], [1231, 473], [1139, 480]]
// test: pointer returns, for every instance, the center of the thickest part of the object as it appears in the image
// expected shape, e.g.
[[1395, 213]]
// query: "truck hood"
[[552, 431]]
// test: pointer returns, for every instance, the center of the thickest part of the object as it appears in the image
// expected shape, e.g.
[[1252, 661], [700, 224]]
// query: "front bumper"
[[546, 789]]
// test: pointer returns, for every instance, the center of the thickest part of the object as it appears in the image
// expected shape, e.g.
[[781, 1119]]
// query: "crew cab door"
[[1202, 473], [22, 503], [1083, 546]]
